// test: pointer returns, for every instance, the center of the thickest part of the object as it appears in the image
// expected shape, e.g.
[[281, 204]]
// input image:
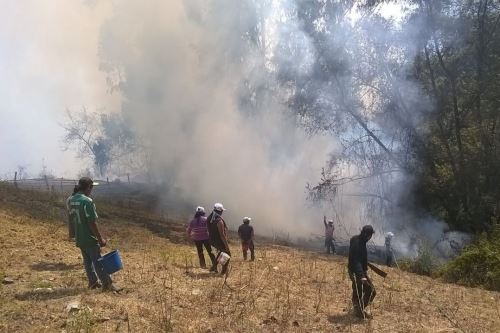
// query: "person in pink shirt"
[[198, 232]]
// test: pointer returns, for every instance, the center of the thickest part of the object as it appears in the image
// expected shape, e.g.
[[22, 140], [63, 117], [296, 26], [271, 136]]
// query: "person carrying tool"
[[329, 228], [389, 255], [217, 232], [245, 231], [363, 291], [198, 232], [87, 236]]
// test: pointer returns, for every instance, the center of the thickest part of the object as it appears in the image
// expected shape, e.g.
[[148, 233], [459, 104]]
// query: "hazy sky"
[[48, 62]]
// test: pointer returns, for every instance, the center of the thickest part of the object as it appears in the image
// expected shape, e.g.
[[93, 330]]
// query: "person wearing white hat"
[[245, 231], [329, 228], [389, 255], [198, 232], [217, 231]]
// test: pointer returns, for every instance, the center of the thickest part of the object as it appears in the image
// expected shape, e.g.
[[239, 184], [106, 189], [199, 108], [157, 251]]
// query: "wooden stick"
[[377, 270]]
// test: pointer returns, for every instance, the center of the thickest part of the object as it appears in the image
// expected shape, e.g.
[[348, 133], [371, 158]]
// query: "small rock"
[[196, 292], [8, 280], [295, 323], [276, 268], [103, 319], [51, 279], [73, 306], [270, 320]]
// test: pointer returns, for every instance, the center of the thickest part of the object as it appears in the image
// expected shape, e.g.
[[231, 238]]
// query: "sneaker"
[[95, 285], [213, 269], [112, 288]]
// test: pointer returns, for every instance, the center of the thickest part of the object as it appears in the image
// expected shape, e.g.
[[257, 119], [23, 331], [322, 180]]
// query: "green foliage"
[[84, 321], [458, 67], [424, 264], [478, 265]]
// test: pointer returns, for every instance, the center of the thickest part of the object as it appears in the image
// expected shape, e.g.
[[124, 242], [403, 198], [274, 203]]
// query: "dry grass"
[[285, 290]]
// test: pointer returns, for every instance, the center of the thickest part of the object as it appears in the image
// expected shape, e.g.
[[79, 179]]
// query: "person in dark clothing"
[[329, 228], [363, 291], [198, 232], [389, 254], [217, 232], [245, 231]]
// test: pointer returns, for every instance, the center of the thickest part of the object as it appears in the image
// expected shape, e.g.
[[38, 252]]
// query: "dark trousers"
[[388, 258], [199, 247], [93, 268], [362, 293], [329, 245], [248, 245]]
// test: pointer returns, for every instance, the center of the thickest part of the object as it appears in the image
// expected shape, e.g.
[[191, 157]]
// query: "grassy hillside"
[[285, 290]]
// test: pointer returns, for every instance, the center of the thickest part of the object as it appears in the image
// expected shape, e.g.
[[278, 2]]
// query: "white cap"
[[200, 209], [330, 221], [390, 234], [247, 219], [218, 207]]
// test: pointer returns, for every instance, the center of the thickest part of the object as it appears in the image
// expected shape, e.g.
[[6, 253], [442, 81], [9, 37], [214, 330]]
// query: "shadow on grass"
[[202, 275], [53, 266], [344, 319], [43, 294], [184, 266]]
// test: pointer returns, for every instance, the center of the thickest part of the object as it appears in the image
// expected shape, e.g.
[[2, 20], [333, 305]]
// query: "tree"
[[458, 67], [104, 138]]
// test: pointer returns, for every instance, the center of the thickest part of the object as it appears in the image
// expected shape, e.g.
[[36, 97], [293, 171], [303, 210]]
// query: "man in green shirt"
[[88, 238]]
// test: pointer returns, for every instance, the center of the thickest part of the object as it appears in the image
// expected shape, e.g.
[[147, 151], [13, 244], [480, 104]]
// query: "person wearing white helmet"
[[329, 228], [198, 232], [245, 231], [389, 255], [217, 231]]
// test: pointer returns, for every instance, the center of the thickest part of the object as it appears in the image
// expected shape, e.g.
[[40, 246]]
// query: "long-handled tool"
[[377, 270]]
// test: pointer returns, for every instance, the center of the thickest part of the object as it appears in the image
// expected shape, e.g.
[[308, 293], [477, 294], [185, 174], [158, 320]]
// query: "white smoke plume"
[[183, 65], [197, 82], [48, 63]]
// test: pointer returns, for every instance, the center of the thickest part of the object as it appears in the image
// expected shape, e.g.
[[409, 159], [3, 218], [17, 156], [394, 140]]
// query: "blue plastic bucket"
[[111, 262]]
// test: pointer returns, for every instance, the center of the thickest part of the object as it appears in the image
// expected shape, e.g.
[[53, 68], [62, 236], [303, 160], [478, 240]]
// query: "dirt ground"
[[284, 290]]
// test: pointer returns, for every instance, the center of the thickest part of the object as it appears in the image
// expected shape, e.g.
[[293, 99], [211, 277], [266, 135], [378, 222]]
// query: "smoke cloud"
[[199, 82], [48, 62], [184, 66]]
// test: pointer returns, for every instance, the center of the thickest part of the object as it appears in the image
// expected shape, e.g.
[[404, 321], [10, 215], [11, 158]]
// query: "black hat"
[[86, 182], [368, 229]]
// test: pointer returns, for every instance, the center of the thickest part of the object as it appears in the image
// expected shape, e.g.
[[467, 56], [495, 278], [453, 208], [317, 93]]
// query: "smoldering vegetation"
[[289, 110]]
